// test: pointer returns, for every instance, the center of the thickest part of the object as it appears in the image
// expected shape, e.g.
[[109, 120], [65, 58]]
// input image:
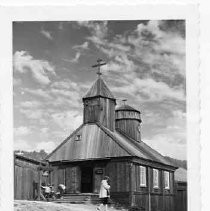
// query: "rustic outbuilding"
[[28, 176], [109, 143]]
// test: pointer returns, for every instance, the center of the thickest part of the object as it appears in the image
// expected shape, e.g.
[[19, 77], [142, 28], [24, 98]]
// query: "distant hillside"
[[33, 155], [178, 163]]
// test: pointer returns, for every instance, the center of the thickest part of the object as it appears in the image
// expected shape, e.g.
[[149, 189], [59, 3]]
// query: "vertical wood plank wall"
[[130, 127], [159, 199], [119, 180], [125, 183], [100, 110], [181, 196], [69, 175], [129, 122], [25, 179]]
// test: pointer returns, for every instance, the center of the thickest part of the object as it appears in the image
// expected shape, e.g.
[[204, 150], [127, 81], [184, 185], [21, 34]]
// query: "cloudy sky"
[[52, 72]]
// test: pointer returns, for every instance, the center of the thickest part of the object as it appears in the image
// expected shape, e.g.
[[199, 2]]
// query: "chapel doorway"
[[86, 179]]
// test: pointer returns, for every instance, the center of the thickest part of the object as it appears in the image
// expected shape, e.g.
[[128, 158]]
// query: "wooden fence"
[[181, 196]]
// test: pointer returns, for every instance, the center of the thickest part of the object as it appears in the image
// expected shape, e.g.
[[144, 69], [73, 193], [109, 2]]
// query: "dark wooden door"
[[72, 178], [86, 179]]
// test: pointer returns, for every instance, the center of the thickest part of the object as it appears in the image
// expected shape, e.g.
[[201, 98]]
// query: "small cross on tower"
[[98, 65]]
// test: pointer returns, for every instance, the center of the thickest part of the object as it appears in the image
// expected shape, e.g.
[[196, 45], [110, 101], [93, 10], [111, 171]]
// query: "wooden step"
[[79, 198]]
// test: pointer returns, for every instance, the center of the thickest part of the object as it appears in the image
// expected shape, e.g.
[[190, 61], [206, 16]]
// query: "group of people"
[[48, 191], [104, 193]]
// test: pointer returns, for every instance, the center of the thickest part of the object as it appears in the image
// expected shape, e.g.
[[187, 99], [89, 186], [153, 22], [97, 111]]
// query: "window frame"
[[143, 182], [156, 184], [167, 179], [78, 137]]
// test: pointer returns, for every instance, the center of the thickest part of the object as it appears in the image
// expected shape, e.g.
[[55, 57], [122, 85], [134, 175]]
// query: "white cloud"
[[150, 90], [69, 120], [83, 46], [148, 58], [22, 131], [46, 34], [33, 114], [80, 49], [76, 58], [30, 104], [65, 84], [23, 145], [40, 69], [45, 130], [98, 30], [44, 94], [168, 145]]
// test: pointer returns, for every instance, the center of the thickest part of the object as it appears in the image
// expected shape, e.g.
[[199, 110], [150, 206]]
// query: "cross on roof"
[[98, 65]]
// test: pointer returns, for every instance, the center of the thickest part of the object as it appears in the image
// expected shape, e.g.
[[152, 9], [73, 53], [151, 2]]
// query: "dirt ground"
[[23, 205]]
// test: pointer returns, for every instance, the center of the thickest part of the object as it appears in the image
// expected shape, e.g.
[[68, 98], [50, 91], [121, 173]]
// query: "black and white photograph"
[[98, 101], [100, 111]]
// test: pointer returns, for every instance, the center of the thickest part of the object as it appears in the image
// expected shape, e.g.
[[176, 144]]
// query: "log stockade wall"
[[26, 177]]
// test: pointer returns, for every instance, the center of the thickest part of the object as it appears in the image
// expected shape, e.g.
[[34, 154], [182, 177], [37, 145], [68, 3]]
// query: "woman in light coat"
[[104, 193]]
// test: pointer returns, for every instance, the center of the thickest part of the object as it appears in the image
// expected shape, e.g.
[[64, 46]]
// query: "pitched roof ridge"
[[64, 141], [33, 160], [146, 151], [133, 141], [96, 90], [109, 133]]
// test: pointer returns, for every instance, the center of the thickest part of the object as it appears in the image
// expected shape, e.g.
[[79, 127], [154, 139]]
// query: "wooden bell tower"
[[99, 102]]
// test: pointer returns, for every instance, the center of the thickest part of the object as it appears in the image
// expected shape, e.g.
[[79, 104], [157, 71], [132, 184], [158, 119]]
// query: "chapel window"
[[155, 178], [166, 180], [143, 178], [78, 137]]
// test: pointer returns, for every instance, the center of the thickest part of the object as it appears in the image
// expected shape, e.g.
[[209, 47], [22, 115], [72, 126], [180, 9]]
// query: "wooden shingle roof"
[[98, 142], [99, 88]]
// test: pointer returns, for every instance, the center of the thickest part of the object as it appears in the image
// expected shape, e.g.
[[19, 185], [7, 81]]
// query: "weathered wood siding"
[[98, 177], [73, 179], [131, 127], [181, 196], [57, 176], [124, 114], [100, 110], [119, 173], [129, 123], [94, 144], [25, 179], [125, 182], [158, 199]]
